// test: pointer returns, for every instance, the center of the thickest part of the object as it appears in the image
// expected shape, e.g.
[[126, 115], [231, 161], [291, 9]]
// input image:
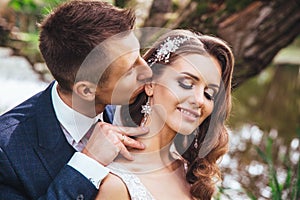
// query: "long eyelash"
[[184, 86], [210, 97], [207, 95]]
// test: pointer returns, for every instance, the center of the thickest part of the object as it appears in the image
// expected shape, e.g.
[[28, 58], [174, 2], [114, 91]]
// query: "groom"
[[54, 145]]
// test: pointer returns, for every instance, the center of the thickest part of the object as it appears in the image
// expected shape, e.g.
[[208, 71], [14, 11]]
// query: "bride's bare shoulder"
[[113, 188]]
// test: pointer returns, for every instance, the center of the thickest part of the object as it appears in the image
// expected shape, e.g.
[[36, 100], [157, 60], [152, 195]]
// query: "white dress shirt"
[[75, 126]]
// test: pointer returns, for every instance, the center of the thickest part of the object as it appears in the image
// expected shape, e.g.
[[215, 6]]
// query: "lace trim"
[[134, 185]]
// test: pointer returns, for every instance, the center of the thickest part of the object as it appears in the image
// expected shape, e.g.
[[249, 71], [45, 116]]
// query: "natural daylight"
[[114, 99]]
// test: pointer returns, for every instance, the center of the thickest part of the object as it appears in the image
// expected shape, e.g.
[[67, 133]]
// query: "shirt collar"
[[74, 122]]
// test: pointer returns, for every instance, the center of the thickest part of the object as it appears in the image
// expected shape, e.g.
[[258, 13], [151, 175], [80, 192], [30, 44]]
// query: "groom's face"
[[127, 72]]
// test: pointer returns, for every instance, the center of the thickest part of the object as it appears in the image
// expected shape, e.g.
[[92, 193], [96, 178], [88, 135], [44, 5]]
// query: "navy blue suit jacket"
[[34, 153]]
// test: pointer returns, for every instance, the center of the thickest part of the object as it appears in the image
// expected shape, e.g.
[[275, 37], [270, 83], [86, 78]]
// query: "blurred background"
[[263, 160]]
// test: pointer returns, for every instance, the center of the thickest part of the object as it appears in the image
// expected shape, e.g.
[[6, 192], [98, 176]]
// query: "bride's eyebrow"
[[216, 86], [191, 75]]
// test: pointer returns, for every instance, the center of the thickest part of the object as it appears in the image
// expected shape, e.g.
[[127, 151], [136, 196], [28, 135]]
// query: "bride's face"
[[183, 96]]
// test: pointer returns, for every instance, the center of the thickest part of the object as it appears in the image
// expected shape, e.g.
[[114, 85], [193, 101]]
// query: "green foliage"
[[27, 13], [290, 185], [24, 6], [49, 5], [222, 191], [175, 6], [275, 171], [267, 157], [33, 7], [236, 5], [296, 187], [120, 3], [202, 7]]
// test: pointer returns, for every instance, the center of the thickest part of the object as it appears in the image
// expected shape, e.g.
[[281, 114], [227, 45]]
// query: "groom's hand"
[[107, 141]]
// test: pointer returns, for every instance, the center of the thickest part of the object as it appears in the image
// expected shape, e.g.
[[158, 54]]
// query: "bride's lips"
[[189, 114]]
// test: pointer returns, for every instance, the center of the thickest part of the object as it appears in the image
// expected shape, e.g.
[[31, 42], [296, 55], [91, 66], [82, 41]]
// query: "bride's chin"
[[186, 131]]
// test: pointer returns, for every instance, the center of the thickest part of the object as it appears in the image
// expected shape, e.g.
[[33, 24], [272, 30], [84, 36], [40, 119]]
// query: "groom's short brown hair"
[[74, 29]]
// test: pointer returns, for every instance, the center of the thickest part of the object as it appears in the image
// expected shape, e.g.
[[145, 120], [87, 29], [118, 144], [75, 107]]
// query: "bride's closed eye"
[[209, 94], [186, 83]]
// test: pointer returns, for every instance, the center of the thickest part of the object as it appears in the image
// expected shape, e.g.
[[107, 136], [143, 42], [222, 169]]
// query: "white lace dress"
[[137, 190]]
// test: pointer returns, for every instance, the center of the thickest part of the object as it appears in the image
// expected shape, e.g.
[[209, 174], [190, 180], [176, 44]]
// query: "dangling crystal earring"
[[196, 140], [185, 141], [146, 109]]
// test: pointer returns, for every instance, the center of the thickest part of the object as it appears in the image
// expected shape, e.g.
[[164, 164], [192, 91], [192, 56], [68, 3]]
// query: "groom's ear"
[[85, 89], [149, 87]]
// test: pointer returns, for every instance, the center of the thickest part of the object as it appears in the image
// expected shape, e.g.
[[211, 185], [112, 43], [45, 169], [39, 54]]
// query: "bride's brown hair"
[[212, 135]]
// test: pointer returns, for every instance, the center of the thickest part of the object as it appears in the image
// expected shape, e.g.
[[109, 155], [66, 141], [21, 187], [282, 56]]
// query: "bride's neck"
[[150, 161], [156, 155]]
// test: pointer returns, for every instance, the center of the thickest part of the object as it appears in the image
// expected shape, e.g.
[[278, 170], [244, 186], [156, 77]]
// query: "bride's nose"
[[198, 97]]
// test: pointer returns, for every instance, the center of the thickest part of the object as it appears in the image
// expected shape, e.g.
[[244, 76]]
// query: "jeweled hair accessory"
[[166, 48]]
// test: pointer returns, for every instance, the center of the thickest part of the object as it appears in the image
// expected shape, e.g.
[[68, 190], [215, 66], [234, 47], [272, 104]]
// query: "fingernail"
[[145, 128], [130, 157]]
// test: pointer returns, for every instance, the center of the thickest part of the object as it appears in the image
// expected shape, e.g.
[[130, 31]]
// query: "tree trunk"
[[5, 29], [158, 14], [257, 32]]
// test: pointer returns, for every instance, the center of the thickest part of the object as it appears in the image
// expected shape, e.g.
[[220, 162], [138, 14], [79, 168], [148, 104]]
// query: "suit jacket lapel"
[[53, 148]]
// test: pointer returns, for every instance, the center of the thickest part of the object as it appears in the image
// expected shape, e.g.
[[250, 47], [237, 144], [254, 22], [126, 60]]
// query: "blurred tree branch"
[[257, 30]]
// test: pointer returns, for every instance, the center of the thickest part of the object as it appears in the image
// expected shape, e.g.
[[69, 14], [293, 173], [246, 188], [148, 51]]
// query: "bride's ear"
[[149, 87]]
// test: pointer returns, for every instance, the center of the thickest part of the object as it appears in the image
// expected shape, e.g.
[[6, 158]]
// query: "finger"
[[129, 131], [122, 137], [103, 147], [132, 131], [124, 152], [129, 142]]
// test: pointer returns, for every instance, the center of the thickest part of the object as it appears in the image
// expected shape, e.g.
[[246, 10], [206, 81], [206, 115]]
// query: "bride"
[[185, 106]]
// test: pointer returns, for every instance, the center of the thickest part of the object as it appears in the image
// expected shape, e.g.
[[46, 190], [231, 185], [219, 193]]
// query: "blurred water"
[[17, 79]]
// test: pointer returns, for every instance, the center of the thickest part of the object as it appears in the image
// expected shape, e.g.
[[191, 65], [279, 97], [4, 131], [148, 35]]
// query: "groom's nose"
[[144, 71]]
